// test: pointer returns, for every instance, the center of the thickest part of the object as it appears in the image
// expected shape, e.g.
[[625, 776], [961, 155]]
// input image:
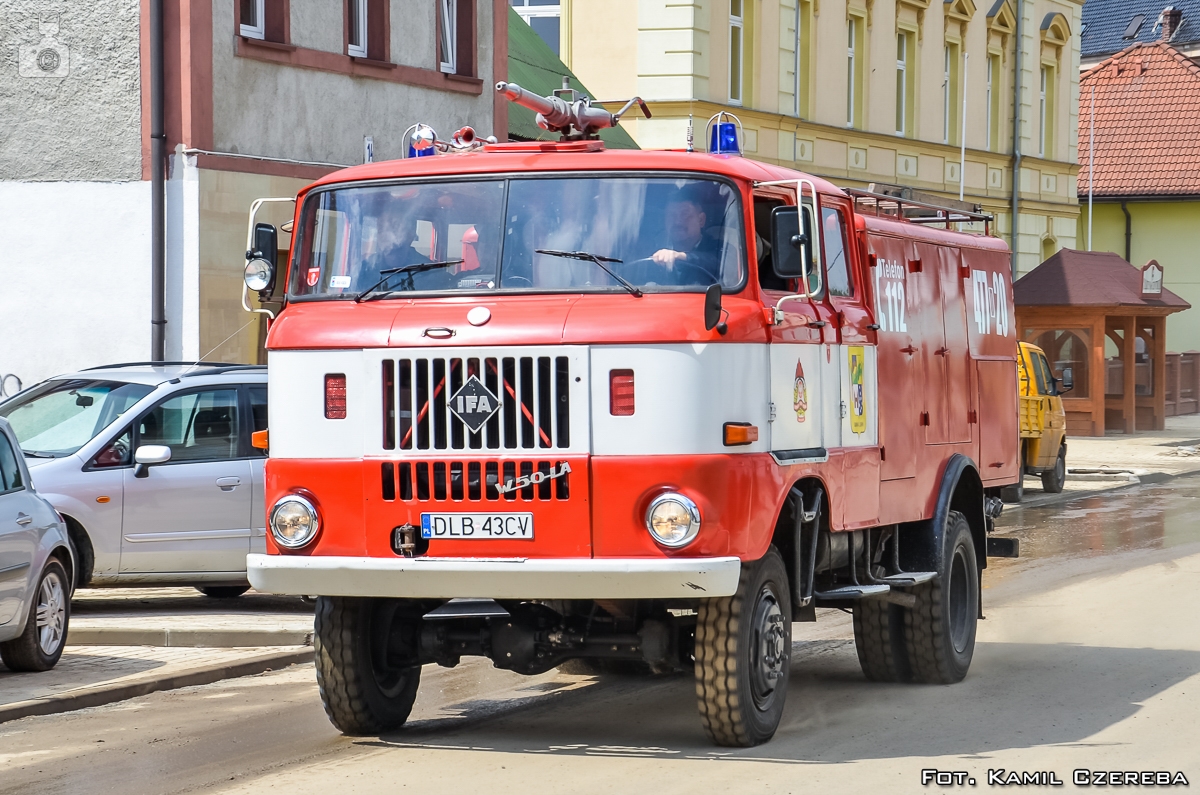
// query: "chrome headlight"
[[258, 274], [294, 522], [673, 520]]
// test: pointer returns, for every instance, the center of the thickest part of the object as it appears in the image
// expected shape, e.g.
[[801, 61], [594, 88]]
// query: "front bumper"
[[496, 578]]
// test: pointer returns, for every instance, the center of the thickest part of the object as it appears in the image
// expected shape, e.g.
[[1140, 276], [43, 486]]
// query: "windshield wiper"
[[588, 257], [36, 454], [388, 273]]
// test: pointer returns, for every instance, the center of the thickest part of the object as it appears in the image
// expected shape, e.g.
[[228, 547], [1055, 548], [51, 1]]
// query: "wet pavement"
[[1089, 658]]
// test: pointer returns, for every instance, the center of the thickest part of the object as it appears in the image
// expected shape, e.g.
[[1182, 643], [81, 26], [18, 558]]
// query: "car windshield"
[[658, 234], [56, 418]]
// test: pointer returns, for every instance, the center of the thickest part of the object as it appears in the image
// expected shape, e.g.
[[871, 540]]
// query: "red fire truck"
[[546, 402]]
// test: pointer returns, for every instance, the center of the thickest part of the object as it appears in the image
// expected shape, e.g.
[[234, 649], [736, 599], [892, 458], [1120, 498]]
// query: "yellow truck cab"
[[1042, 422]]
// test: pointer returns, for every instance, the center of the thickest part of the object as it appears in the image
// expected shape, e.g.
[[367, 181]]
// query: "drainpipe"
[[1016, 172], [158, 236], [1128, 231]]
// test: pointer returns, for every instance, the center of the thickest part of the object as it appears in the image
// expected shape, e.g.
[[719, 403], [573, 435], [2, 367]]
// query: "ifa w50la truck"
[[547, 402]]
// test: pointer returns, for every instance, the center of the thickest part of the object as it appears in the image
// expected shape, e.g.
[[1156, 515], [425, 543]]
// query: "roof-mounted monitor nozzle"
[[568, 112]]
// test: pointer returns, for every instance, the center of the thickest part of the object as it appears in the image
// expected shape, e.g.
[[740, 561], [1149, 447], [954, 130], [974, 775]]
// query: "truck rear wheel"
[[362, 691], [743, 647], [940, 628], [1054, 479], [879, 640]]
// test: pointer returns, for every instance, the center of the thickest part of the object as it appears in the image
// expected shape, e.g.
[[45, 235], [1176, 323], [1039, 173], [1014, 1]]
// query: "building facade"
[[858, 91], [1143, 157], [261, 98]]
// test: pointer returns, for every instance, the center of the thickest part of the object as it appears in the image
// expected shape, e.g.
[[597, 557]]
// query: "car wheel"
[[41, 644], [222, 591], [940, 627], [1053, 480]]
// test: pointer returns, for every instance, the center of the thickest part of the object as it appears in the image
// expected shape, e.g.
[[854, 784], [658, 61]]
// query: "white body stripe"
[[684, 394]]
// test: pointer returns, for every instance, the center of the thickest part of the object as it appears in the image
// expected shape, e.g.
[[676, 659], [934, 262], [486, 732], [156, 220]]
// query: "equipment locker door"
[[956, 360], [901, 404]]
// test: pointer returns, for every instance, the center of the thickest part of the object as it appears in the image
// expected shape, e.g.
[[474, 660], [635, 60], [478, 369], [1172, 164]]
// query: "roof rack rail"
[[164, 364], [893, 202], [228, 368]]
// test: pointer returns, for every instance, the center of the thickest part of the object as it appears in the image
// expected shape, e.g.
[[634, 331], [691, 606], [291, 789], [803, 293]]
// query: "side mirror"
[[148, 455], [791, 242], [1068, 381], [713, 310], [262, 260]]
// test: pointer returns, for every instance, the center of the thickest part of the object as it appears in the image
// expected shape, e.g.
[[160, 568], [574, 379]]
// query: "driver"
[[689, 255]]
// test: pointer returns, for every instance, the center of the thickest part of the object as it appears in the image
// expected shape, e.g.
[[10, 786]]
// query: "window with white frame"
[[356, 28], [448, 41], [991, 88], [545, 17], [1042, 108], [851, 68], [251, 18], [946, 98], [796, 71], [901, 84], [737, 26]]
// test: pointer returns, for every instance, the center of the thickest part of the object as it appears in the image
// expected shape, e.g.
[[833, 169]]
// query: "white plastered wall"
[[75, 263]]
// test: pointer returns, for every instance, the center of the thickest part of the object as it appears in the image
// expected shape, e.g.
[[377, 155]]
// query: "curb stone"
[[107, 694], [194, 638]]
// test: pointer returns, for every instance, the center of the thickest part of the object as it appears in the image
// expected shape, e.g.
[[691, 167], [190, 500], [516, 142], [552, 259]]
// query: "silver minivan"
[[152, 468], [35, 568]]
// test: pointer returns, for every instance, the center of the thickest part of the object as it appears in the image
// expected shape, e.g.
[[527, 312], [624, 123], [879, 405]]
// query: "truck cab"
[[546, 402]]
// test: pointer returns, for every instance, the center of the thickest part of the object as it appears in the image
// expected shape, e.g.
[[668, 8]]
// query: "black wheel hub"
[[768, 647], [960, 602]]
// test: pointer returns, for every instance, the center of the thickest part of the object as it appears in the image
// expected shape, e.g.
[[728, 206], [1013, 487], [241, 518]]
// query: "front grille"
[[534, 392], [472, 481]]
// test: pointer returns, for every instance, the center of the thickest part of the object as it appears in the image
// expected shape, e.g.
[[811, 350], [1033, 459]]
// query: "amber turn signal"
[[258, 440], [740, 433]]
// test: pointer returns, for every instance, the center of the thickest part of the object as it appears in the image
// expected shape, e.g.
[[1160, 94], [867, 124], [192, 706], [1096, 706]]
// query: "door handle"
[[228, 484], [941, 351], [910, 350], [24, 518]]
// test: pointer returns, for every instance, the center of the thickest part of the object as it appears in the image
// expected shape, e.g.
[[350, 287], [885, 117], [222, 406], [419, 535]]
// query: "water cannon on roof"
[[573, 115]]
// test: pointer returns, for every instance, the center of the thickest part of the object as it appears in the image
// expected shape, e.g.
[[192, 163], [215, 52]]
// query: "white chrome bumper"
[[496, 578]]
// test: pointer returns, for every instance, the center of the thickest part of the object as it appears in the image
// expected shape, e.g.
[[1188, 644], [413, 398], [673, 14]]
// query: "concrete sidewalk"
[[1117, 460], [127, 642]]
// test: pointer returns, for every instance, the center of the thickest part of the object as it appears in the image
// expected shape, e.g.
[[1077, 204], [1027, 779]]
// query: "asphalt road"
[[1089, 659]]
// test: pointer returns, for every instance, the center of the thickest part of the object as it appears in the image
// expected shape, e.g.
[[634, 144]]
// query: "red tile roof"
[[1147, 123], [1089, 278]]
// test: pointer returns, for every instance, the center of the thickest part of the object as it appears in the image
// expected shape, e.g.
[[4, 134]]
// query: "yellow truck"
[[1042, 422]]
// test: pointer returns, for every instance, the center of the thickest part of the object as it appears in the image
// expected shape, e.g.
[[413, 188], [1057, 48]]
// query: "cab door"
[[849, 369], [193, 513], [18, 536], [797, 430]]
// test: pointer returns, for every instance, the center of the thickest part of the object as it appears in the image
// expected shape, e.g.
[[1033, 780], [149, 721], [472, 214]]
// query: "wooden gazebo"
[[1106, 320]]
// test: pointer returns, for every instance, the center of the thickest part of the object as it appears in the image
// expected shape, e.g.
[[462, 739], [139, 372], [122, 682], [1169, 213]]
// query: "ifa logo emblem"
[[474, 404]]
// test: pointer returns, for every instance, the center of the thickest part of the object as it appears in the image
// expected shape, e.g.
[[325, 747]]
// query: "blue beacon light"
[[724, 139]]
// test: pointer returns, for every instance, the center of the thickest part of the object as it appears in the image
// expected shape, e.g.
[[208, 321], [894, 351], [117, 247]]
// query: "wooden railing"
[[1183, 383]]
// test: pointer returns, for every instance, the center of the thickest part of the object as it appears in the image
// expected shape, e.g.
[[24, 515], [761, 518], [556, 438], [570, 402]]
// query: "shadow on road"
[[1017, 696]]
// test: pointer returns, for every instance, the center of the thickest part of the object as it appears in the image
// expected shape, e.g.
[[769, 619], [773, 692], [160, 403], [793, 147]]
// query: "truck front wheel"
[[743, 649], [363, 688], [940, 628], [1054, 479]]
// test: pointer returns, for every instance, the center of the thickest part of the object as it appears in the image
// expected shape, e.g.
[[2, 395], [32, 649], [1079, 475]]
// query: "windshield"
[[58, 417], [658, 234]]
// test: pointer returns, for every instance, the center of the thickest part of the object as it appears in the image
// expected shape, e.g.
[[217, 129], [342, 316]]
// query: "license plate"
[[477, 526]]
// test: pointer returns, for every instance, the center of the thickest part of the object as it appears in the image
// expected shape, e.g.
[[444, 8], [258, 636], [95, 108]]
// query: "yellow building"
[[1146, 195], [858, 91]]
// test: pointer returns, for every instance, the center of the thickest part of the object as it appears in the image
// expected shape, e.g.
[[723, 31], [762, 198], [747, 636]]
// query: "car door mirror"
[[791, 241], [713, 310], [147, 455], [1068, 381]]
